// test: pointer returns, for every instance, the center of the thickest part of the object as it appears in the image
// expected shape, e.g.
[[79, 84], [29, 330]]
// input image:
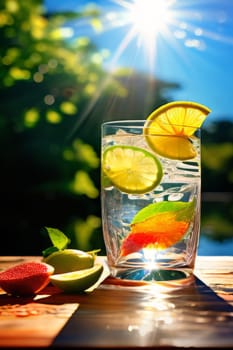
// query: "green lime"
[[132, 169], [77, 281], [68, 260]]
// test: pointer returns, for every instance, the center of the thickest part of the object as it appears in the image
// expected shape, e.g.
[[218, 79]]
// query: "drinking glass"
[[150, 203]]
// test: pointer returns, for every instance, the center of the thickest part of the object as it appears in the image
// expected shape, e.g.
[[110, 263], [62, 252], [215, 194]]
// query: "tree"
[[45, 82], [217, 157], [55, 93], [50, 167]]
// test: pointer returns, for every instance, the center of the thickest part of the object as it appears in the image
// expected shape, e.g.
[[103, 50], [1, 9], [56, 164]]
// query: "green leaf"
[[48, 251], [183, 210], [58, 238]]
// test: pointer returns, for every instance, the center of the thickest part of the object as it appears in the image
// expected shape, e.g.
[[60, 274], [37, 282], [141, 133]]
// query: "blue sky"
[[193, 46]]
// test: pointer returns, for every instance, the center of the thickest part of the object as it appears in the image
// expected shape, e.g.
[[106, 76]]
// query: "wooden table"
[[199, 316]]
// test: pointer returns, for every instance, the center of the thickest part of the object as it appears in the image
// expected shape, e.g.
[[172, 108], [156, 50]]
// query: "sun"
[[146, 19], [149, 17]]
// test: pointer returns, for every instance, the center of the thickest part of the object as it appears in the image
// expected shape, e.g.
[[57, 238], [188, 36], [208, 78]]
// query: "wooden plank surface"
[[28, 322], [111, 316], [217, 273]]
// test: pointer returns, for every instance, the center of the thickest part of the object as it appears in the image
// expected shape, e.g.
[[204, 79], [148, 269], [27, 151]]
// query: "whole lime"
[[69, 260]]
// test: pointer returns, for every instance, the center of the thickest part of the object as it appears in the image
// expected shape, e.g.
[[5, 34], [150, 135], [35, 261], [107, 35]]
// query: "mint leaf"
[[183, 210], [58, 238]]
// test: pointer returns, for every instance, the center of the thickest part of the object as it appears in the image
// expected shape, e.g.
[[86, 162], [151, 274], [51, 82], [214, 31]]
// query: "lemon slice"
[[172, 147], [132, 169], [77, 281], [179, 119]]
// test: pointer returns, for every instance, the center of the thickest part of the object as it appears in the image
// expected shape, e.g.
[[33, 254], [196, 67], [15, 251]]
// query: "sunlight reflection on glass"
[[150, 257]]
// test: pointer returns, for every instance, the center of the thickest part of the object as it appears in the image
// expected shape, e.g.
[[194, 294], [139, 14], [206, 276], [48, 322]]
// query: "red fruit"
[[168, 234], [26, 278]]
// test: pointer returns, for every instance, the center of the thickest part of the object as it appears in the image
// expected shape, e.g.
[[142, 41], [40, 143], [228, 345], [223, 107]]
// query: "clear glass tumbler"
[[150, 198]]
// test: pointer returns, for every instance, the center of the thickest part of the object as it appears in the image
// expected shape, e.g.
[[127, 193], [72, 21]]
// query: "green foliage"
[[217, 223], [217, 157], [84, 231], [46, 82]]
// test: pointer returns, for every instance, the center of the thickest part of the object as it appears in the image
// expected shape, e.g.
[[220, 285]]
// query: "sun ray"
[[151, 25], [146, 20]]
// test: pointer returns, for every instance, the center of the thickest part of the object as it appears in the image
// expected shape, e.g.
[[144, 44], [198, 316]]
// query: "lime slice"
[[179, 119], [77, 281], [68, 260], [132, 169]]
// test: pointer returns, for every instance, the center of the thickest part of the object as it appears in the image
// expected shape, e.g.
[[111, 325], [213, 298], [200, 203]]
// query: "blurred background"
[[67, 66]]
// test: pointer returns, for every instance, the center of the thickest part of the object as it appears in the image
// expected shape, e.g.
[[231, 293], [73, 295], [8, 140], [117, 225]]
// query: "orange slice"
[[168, 129], [157, 240], [159, 232], [158, 226]]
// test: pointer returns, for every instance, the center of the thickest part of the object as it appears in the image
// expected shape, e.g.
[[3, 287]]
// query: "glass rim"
[[140, 123]]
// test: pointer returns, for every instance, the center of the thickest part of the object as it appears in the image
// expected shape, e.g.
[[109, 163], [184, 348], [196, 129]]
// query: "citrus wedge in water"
[[158, 226], [68, 260], [77, 281], [168, 128], [132, 169]]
